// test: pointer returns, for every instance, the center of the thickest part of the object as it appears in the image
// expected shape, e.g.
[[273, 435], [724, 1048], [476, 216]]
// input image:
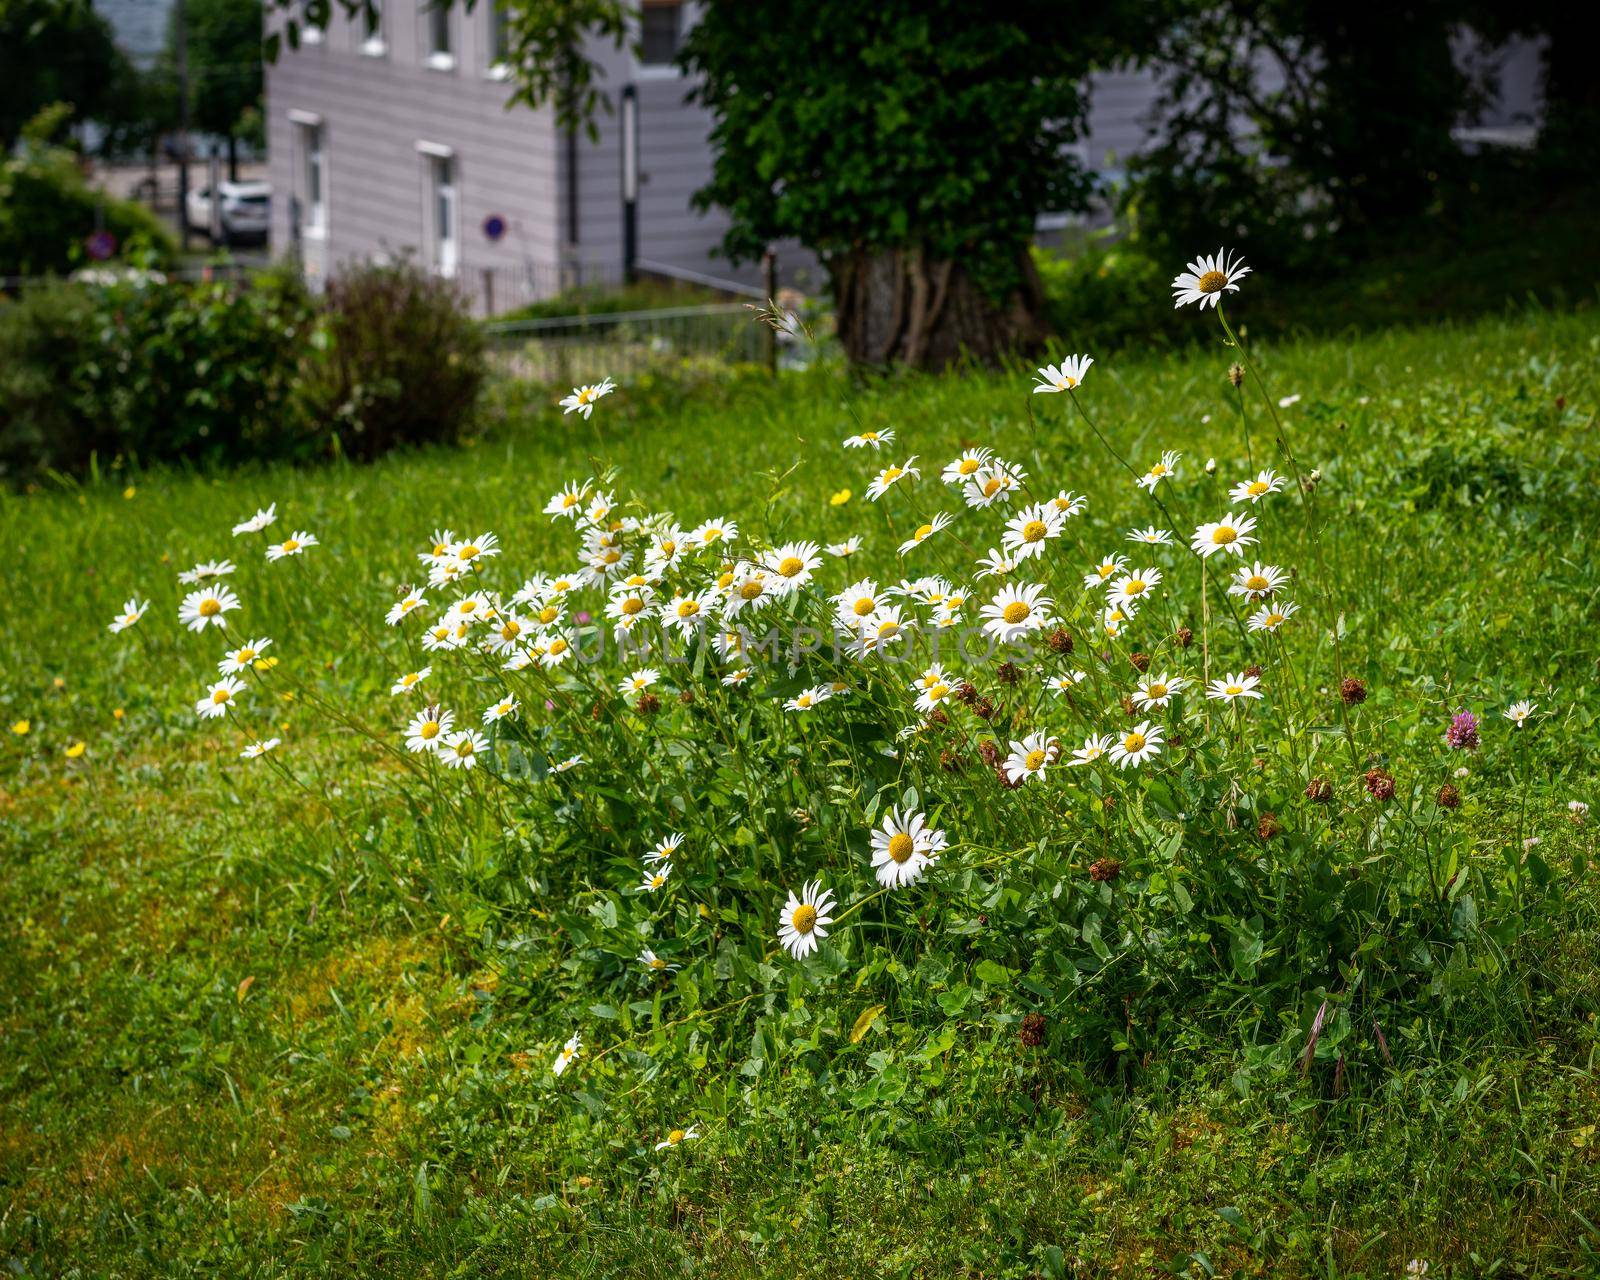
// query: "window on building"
[[444, 232], [374, 43], [313, 191], [310, 32], [436, 17], [499, 40], [660, 32]]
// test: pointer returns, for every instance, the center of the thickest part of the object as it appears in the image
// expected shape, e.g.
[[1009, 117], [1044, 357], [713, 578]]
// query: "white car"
[[243, 211]]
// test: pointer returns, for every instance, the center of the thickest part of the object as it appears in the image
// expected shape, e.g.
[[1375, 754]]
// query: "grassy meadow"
[[297, 1015]]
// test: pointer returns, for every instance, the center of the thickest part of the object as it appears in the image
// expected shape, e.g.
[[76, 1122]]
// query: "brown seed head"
[[1060, 640], [1104, 870], [1352, 691]]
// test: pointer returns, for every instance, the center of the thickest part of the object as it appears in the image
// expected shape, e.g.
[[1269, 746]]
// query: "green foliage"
[[396, 361], [225, 52], [48, 210], [58, 51], [600, 300], [143, 370], [338, 1059], [897, 125]]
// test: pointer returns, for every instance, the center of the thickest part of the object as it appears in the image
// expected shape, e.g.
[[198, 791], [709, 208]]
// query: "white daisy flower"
[[713, 532], [1104, 572], [1165, 469], [409, 681], [429, 728], [1064, 378], [638, 682], [1016, 610], [1030, 757], [651, 961], [931, 695], [1207, 279], [401, 608], [891, 476], [1065, 682], [657, 879], [995, 563], [687, 613], [804, 919], [1140, 743], [857, 602], [847, 548], [507, 706], [294, 545], [750, 589], [207, 608], [923, 532], [1271, 617], [255, 750], [1133, 589], [738, 676], [869, 439], [806, 699], [1069, 504], [569, 1053], [242, 658], [219, 697], [1233, 688], [205, 571], [1518, 712], [571, 762], [995, 483], [1157, 691], [507, 633], [1257, 582], [1094, 746], [903, 847], [1230, 534], [792, 565], [606, 564], [132, 611], [883, 627], [568, 501], [677, 1138], [1252, 491], [1027, 532], [256, 523], [462, 749], [582, 400], [1151, 537], [664, 849], [470, 550], [966, 466], [440, 544]]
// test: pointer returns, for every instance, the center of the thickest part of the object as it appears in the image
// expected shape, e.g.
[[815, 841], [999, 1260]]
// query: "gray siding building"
[[401, 142]]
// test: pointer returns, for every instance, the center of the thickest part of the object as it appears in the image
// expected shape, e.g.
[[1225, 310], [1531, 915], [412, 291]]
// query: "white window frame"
[[495, 68], [433, 13], [443, 235], [311, 172], [660, 70], [375, 45]]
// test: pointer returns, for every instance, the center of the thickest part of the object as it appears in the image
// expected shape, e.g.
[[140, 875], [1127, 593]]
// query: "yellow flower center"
[[1034, 761], [1034, 531], [567, 500], [901, 846], [804, 700], [891, 474], [688, 608], [804, 918], [220, 696], [888, 627], [612, 556], [290, 544], [1225, 534], [968, 466], [1233, 690], [675, 1137], [1067, 383], [869, 435], [511, 630], [410, 679], [557, 647], [1211, 282], [1257, 487], [938, 691], [1157, 691], [1133, 742], [1274, 619], [711, 534], [1017, 611], [669, 547], [439, 548], [549, 614], [751, 589], [992, 486], [1255, 582], [632, 605], [1160, 469], [469, 606], [791, 565], [464, 747], [656, 962], [210, 608], [864, 606], [1135, 586], [246, 654], [923, 531], [429, 730]]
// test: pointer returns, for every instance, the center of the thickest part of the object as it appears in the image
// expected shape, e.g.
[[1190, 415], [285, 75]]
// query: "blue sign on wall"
[[494, 226]]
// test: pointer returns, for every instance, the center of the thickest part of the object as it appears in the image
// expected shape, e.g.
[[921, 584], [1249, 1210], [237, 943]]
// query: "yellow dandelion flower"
[[130, 492], [840, 498], [21, 727], [76, 749]]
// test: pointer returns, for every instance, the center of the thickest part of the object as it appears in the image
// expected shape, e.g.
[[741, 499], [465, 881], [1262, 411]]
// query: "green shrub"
[[396, 361], [1098, 299], [47, 211], [146, 371]]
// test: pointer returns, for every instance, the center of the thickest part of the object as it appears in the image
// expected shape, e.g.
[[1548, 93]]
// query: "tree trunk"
[[899, 306], [233, 158]]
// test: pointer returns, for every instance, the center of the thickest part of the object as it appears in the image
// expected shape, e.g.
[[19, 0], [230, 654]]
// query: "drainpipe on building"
[[630, 183]]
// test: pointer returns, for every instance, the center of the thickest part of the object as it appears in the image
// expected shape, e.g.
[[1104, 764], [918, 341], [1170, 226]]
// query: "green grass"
[[256, 1030], [595, 300]]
